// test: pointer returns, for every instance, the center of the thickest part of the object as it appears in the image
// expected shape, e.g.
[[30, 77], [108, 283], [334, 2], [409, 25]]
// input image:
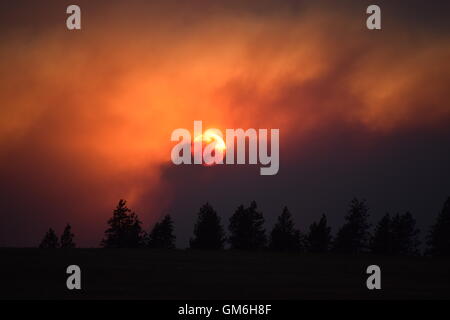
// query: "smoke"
[[86, 115]]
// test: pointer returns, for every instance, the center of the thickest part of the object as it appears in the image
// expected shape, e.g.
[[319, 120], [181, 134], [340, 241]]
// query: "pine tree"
[[161, 236], [319, 237], [124, 229], [382, 240], [439, 236], [353, 236], [405, 236], [284, 236], [246, 229], [67, 238], [397, 235], [50, 240], [208, 232]]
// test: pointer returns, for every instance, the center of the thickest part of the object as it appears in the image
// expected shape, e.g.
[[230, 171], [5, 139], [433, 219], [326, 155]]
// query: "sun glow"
[[210, 136]]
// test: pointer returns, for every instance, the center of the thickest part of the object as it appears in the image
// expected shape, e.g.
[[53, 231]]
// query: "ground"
[[185, 274]]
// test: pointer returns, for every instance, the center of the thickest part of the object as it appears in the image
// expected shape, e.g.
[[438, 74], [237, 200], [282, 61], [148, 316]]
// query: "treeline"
[[51, 240], [392, 235]]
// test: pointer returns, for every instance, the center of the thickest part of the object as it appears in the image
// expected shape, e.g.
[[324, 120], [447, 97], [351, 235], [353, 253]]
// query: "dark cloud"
[[403, 172]]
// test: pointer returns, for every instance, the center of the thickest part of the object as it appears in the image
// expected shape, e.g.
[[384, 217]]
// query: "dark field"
[[150, 274]]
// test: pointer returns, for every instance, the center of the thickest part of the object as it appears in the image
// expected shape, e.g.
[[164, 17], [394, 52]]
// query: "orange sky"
[[102, 102]]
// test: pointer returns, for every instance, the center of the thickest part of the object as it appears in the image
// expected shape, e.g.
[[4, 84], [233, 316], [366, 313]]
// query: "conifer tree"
[[50, 240], [208, 231], [67, 238]]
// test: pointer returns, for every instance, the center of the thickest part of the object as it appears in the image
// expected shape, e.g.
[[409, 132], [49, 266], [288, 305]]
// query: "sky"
[[86, 116]]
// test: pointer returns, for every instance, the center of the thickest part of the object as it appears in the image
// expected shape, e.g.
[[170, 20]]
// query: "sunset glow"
[[86, 116], [213, 136]]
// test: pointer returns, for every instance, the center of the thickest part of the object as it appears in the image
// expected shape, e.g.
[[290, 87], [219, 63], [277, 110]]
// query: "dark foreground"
[[149, 274]]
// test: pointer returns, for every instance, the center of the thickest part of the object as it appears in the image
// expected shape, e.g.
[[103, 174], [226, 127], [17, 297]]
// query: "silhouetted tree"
[[124, 229], [284, 236], [50, 240], [161, 236], [319, 237], [382, 239], [405, 236], [67, 238], [397, 235], [246, 229], [353, 235], [208, 232], [439, 236]]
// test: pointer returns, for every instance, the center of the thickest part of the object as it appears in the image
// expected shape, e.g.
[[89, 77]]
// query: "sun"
[[212, 138], [213, 135]]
